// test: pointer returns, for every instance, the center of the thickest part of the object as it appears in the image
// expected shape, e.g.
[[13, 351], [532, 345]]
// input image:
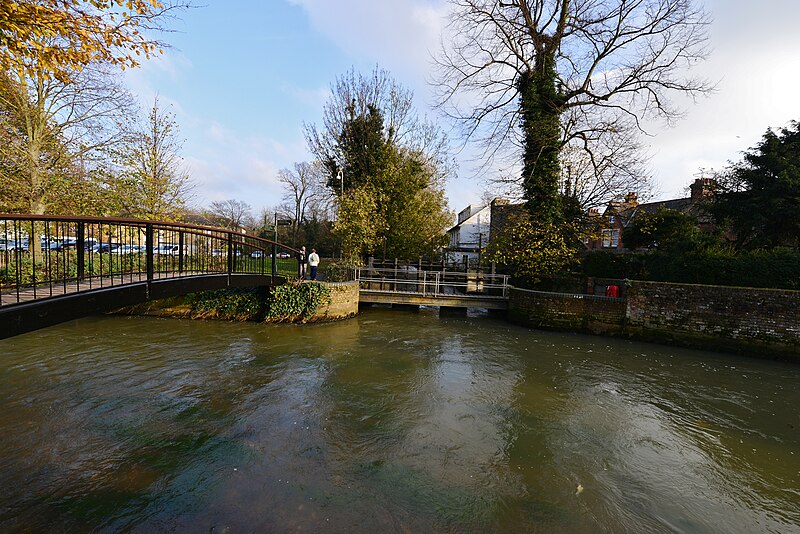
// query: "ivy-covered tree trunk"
[[541, 126]]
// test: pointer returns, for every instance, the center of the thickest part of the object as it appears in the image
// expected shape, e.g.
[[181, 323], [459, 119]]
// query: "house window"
[[610, 238]]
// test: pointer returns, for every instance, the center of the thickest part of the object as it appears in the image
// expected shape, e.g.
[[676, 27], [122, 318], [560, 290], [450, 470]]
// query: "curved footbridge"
[[55, 269]]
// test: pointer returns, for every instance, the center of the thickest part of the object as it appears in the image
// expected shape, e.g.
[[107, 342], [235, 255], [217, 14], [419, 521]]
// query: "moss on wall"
[[301, 303]]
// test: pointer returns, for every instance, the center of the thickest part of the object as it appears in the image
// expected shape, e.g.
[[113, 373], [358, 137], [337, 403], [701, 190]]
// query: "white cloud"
[[230, 165], [756, 65], [398, 34]]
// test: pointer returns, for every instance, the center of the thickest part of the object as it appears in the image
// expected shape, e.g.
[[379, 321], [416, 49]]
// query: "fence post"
[[81, 245], [148, 243], [180, 251], [230, 257], [263, 259], [275, 260]]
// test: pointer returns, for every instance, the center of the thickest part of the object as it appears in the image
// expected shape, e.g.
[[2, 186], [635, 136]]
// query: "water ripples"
[[390, 422]]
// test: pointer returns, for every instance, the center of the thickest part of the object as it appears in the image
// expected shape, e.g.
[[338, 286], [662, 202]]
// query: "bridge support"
[[452, 311], [406, 307]]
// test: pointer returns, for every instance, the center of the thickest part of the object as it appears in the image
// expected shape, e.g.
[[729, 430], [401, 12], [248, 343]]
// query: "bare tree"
[[298, 185], [535, 76], [233, 214]]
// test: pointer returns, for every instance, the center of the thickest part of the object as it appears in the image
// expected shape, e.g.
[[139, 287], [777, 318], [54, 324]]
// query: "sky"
[[243, 76]]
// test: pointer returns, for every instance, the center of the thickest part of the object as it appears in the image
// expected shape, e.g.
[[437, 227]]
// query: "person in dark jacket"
[[301, 263]]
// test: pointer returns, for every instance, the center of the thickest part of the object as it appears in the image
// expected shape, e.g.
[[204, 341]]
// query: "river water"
[[390, 422]]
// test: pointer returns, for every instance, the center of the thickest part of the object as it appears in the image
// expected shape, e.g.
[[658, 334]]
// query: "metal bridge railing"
[[408, 279], [44, 256]]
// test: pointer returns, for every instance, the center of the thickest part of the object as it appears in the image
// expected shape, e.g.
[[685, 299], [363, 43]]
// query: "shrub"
[[243, 304], [338, 271], [777, 268]]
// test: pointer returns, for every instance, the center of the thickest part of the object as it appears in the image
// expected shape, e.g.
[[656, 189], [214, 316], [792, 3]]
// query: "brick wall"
[[562, 311], [717, 317], [745, 320]]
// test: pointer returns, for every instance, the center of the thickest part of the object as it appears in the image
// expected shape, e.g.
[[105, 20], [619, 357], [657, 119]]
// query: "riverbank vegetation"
[[291, 302]]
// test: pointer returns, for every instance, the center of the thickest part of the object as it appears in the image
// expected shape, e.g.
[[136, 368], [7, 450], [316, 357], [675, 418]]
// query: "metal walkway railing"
[[49, 256], [408, 279]]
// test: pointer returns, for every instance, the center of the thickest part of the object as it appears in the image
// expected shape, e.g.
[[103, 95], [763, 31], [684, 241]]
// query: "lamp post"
[[340, 177]]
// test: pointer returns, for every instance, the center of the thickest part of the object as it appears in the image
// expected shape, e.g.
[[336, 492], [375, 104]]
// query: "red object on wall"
[[612, 291]]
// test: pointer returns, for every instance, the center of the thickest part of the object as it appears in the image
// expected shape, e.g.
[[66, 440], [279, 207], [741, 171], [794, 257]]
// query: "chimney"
[[702, 188], [631, 199]]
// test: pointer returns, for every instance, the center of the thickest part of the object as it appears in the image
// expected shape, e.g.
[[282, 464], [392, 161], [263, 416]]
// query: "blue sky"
[[244, 75]]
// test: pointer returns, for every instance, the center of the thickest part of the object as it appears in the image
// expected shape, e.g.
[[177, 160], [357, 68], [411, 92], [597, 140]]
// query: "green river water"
[[391, 422]]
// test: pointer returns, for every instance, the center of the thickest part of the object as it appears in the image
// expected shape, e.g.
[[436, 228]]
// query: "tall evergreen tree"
[[759, 197]]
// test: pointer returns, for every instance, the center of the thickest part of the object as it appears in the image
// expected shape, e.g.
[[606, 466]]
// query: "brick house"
[[619, 214]]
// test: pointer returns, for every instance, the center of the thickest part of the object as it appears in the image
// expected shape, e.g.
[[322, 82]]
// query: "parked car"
[[65, 243], [258, 254], [18, 243], [124, 249], [284, 255], [105, 248], [167, 250]]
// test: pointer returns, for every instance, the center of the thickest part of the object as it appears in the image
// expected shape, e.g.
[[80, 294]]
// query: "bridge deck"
[[30, 294], [372, 296], [43, 311]]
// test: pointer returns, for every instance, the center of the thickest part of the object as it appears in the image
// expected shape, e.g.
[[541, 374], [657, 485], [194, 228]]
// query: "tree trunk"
[[541, 126]]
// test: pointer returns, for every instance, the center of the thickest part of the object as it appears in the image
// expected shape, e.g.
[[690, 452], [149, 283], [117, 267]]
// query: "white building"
[[470, 234]]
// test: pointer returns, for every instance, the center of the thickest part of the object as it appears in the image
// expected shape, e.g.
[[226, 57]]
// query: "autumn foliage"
[[59, 37]]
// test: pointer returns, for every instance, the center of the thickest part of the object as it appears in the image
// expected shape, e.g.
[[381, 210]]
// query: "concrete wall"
[[746, 320]]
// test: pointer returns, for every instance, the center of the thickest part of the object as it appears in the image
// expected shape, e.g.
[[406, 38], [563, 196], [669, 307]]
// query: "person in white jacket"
[[313, 262]]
